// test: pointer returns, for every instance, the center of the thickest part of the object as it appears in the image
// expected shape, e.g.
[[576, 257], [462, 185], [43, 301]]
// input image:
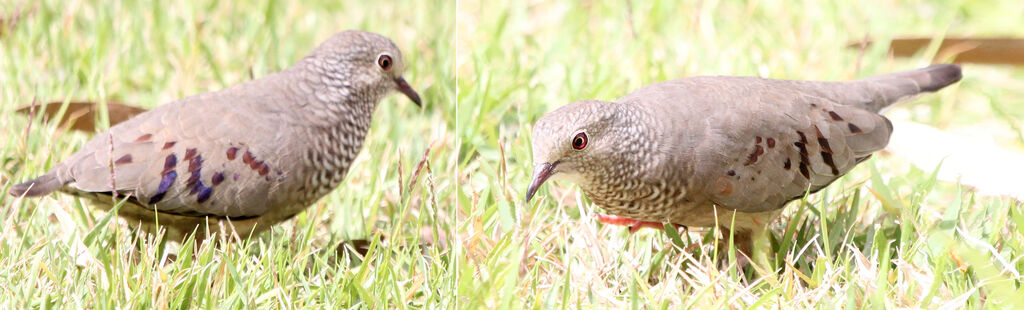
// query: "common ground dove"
[[673, 151], [245, 157]]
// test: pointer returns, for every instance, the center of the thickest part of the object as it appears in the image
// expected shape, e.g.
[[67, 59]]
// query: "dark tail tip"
[[40, 186], [940, 76], [20, 189]]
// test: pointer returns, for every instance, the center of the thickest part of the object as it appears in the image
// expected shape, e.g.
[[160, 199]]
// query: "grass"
[[57, 252], [887, 235]]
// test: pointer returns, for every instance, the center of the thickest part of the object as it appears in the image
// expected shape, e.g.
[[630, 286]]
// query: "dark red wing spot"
[[256, 164], [232, 152], [822, 141], [126, 159], [264, 169], [771, 143], [190, 153], [827, 158], [217, 178], [834, 115], [804, 172], [168, 145], [802, 137], [170, 162], [195, 163], [757, 140], [825, 148], [731, 173], [804, 159], [752, 158], [802, 148], [247, 158], [144, 138], [854, 128], [787, 164]]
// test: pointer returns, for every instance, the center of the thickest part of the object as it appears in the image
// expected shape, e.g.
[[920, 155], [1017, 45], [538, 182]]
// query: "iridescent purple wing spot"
[[156, 198], [193, 178], [197, 188], [204, 194], [165, 183]]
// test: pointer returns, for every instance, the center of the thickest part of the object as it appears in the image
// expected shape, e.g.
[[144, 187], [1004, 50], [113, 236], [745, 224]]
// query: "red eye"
[[384, 62], [579, 141]]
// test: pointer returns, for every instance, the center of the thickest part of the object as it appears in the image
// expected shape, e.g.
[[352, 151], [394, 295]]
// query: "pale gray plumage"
[[672, 151], [256, 153]]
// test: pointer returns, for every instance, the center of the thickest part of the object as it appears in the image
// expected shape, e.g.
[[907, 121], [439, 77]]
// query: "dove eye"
[[579, 141], [384, 62]]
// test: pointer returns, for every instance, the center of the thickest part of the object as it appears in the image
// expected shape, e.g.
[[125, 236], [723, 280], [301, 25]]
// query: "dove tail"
[[936, 77], [894, 87], [42, 185]]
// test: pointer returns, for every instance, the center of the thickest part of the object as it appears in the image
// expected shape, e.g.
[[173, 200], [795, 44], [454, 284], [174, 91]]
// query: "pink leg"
[[634, 225]]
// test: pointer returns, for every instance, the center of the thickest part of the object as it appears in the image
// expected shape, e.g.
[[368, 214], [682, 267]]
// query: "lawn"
[[887, 235], [397, 200], [431, 214]]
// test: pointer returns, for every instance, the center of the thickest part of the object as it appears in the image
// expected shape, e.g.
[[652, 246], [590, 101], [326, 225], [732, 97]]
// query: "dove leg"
[[634, 225], [743, 243]]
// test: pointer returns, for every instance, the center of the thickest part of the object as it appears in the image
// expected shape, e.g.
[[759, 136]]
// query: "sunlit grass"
[[887, 235], [55, 251]]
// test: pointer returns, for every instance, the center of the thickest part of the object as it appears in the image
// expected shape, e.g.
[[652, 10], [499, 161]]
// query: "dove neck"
[[333, 96], [331, 147], [337, 114], [632, 174]]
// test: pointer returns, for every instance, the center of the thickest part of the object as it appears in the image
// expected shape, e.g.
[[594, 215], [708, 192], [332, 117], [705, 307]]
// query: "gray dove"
[[245, 157], [686, 150]]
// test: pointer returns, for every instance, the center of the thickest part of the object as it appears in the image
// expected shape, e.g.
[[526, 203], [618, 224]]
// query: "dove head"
[[587, 143], [360, 63]]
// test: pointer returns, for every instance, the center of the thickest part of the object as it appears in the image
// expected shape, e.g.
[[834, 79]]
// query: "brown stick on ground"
[[962, 49], [81, 115]]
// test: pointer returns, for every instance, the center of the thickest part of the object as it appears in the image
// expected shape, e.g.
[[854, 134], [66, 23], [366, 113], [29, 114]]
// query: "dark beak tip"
[[404, 87], [541, 173]]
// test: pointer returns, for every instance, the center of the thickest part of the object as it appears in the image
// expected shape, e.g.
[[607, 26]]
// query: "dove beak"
[[541, 173], [404, 87]]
